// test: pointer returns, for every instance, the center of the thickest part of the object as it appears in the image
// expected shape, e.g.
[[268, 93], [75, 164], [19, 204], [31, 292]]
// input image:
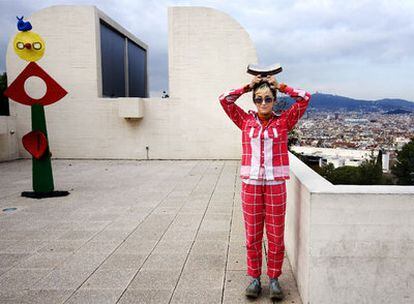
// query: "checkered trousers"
[[264, 205]]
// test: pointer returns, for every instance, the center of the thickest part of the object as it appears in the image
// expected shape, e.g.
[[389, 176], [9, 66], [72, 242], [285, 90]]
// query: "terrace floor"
[[129, 232]]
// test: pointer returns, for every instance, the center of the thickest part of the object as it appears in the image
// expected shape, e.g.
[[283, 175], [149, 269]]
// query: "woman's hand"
[[256, 79], [273, 82]]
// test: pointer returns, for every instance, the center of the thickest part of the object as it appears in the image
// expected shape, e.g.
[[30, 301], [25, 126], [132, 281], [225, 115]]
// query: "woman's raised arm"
[[296, 111], [228, 99]]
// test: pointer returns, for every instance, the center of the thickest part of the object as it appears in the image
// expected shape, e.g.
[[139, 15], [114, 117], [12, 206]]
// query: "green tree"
[[326, 171], [370, 171], [346, 175], [293, 137], [404, 167]]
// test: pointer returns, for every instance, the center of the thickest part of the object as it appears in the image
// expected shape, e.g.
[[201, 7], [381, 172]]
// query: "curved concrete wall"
[[208, 54]]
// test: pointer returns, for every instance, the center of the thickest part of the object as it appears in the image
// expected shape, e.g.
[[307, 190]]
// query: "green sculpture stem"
[[42, 168]]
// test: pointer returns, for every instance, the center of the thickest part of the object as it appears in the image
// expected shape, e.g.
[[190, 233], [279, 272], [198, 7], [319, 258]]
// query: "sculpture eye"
[[37, 45], [20, 45]]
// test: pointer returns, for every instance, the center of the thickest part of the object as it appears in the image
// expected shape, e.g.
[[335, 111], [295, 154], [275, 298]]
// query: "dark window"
[[117, 78], [136, 70], [113, 62], [4, 101]]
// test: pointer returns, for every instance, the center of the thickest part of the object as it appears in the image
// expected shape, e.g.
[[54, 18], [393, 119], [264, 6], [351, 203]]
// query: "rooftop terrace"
[[129, 232]]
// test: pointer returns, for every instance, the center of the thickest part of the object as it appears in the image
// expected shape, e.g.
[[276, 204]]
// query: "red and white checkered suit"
[[265, 147], [264, 169]]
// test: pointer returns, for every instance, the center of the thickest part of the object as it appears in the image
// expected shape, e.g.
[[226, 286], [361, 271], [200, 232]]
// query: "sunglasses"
[[259, 99]]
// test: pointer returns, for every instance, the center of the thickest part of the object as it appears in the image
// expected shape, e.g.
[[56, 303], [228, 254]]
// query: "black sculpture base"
[[33, 194]]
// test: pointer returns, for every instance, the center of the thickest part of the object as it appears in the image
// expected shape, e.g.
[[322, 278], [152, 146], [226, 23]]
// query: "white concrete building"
[[85, 124]]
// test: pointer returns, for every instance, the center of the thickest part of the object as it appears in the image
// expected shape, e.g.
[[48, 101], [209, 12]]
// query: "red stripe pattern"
[[265, 146], [264, 205]]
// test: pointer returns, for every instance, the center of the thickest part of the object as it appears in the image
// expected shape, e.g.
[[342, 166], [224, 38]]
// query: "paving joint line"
[[229, 238], [195, 237]]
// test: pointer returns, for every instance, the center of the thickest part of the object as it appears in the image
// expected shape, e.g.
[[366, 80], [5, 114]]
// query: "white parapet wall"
[[349, 244], [208, 53]]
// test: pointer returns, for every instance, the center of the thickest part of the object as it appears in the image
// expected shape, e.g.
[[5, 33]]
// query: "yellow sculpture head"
[[29, 46]]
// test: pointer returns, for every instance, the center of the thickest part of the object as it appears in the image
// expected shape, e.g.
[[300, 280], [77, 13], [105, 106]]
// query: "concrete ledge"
[[317, 184], [349, 243], [130, 107]]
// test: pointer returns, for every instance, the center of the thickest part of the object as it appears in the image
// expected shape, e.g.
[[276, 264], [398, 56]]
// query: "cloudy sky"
[[356, 48]]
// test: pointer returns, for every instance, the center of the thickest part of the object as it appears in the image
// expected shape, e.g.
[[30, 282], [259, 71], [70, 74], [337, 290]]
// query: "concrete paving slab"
[[103, 247], [76, 235], [109, 235], [236, 261], [155, 279], [62, 246], [4, 270], [44, 260], [209, 247], [203, 262], [83, 261], [206, 235], [137, 247], [63, 279], [45, 296], [20, 279], [199, 296], [22, 246], [215, 225], [124, 261], [8, 260], [94, 296], [148, 296], [110, 279], [173, 246], [13, 297], [164, 261], [209, 279]]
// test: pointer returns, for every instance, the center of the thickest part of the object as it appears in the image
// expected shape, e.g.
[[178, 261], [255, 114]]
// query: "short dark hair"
[[262, 84]]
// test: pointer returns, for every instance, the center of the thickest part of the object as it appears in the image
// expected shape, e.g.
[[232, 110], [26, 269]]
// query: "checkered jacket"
[[265, 151]]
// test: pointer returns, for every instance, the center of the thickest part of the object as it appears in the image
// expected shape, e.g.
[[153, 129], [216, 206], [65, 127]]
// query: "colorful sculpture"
[[30, 46]]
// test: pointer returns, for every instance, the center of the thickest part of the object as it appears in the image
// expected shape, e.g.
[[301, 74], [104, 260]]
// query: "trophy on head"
[[255, 69]]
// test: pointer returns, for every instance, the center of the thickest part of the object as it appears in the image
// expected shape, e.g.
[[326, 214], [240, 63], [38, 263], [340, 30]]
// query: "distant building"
[[342, 157], [356, 120], [400, 142]]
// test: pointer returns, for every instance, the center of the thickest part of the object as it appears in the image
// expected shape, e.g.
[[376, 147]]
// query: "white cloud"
[[355, 48]]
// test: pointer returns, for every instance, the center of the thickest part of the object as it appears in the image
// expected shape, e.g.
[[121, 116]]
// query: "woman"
[[264, 169]]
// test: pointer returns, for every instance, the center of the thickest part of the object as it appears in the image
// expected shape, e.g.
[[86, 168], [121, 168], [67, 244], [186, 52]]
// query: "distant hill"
[[398, 112], [329, 102]]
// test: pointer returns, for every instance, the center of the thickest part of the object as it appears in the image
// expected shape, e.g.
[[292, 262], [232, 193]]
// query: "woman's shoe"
[[254, 288], [275, 291]]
